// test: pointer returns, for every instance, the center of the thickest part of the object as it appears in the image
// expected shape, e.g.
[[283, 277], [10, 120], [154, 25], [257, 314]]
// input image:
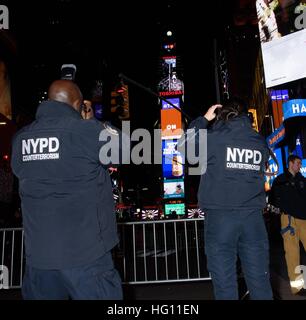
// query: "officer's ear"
[[77, 105]]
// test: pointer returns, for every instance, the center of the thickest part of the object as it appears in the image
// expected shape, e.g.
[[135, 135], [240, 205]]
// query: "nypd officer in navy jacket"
[[231, 193], [67, 202]]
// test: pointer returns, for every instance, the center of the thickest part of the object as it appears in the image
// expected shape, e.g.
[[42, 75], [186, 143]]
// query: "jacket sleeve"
[[199, 123], [189, 143]]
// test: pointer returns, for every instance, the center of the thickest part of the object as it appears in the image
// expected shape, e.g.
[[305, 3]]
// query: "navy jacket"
[[236, 157], [289, 194], [66, 194]]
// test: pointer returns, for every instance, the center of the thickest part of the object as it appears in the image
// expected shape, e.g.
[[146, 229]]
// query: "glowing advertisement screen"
[[171, 124], [294, 108], [279, 95], [282, 40], [174, 101], [276, 137], [178, 208], [174, 189], [172, 160], [303, 169], [171, 78], [273, 168]]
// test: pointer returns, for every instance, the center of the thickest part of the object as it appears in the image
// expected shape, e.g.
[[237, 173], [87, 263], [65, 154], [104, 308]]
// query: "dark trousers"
[[229, 234], [98, 280]]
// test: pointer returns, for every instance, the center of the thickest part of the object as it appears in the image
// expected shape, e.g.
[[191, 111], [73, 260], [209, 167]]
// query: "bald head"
[[66, 91]]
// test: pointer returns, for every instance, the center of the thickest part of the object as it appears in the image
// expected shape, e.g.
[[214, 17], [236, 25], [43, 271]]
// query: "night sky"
[[106, 38]]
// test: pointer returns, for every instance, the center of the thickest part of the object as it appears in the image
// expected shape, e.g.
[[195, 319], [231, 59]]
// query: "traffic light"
[[253, 114]]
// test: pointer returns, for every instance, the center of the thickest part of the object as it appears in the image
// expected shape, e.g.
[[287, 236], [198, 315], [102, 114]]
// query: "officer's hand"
[[211, 113], [87, 112]]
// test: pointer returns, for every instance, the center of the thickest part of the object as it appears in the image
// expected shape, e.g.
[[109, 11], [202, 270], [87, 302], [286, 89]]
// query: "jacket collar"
[[291, 176], [56, 109], [240, 121]]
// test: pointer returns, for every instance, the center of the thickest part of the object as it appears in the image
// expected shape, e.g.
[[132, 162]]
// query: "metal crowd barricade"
[[148, 252], [161, 251], [12, 257]]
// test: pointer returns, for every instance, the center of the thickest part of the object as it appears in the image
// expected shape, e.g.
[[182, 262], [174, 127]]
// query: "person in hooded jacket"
[[231, 193]]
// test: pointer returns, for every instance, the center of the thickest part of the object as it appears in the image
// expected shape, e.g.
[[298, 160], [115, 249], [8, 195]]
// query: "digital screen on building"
[[177, 208], [171, 79], [172, 160], [282, 95], [273, 168], [282, 37], [276, 137], [174, 189], [171, 124], [294, 108], [174, 101], [303, 168]]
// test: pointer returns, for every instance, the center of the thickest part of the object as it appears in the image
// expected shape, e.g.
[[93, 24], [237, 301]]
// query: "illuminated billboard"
[[273, 168], [282, 40], [174, 189], [278, 97], [171, 124], [176, 208], [294, 108], [174, 101], [172, 160], [171, 79], [303, 168]]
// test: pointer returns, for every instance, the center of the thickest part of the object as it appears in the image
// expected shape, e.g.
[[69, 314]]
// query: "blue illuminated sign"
[[273, 166], [172, 160], [303, 169], [276, 137], [294, 108], [279, 95], [175, 101]]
